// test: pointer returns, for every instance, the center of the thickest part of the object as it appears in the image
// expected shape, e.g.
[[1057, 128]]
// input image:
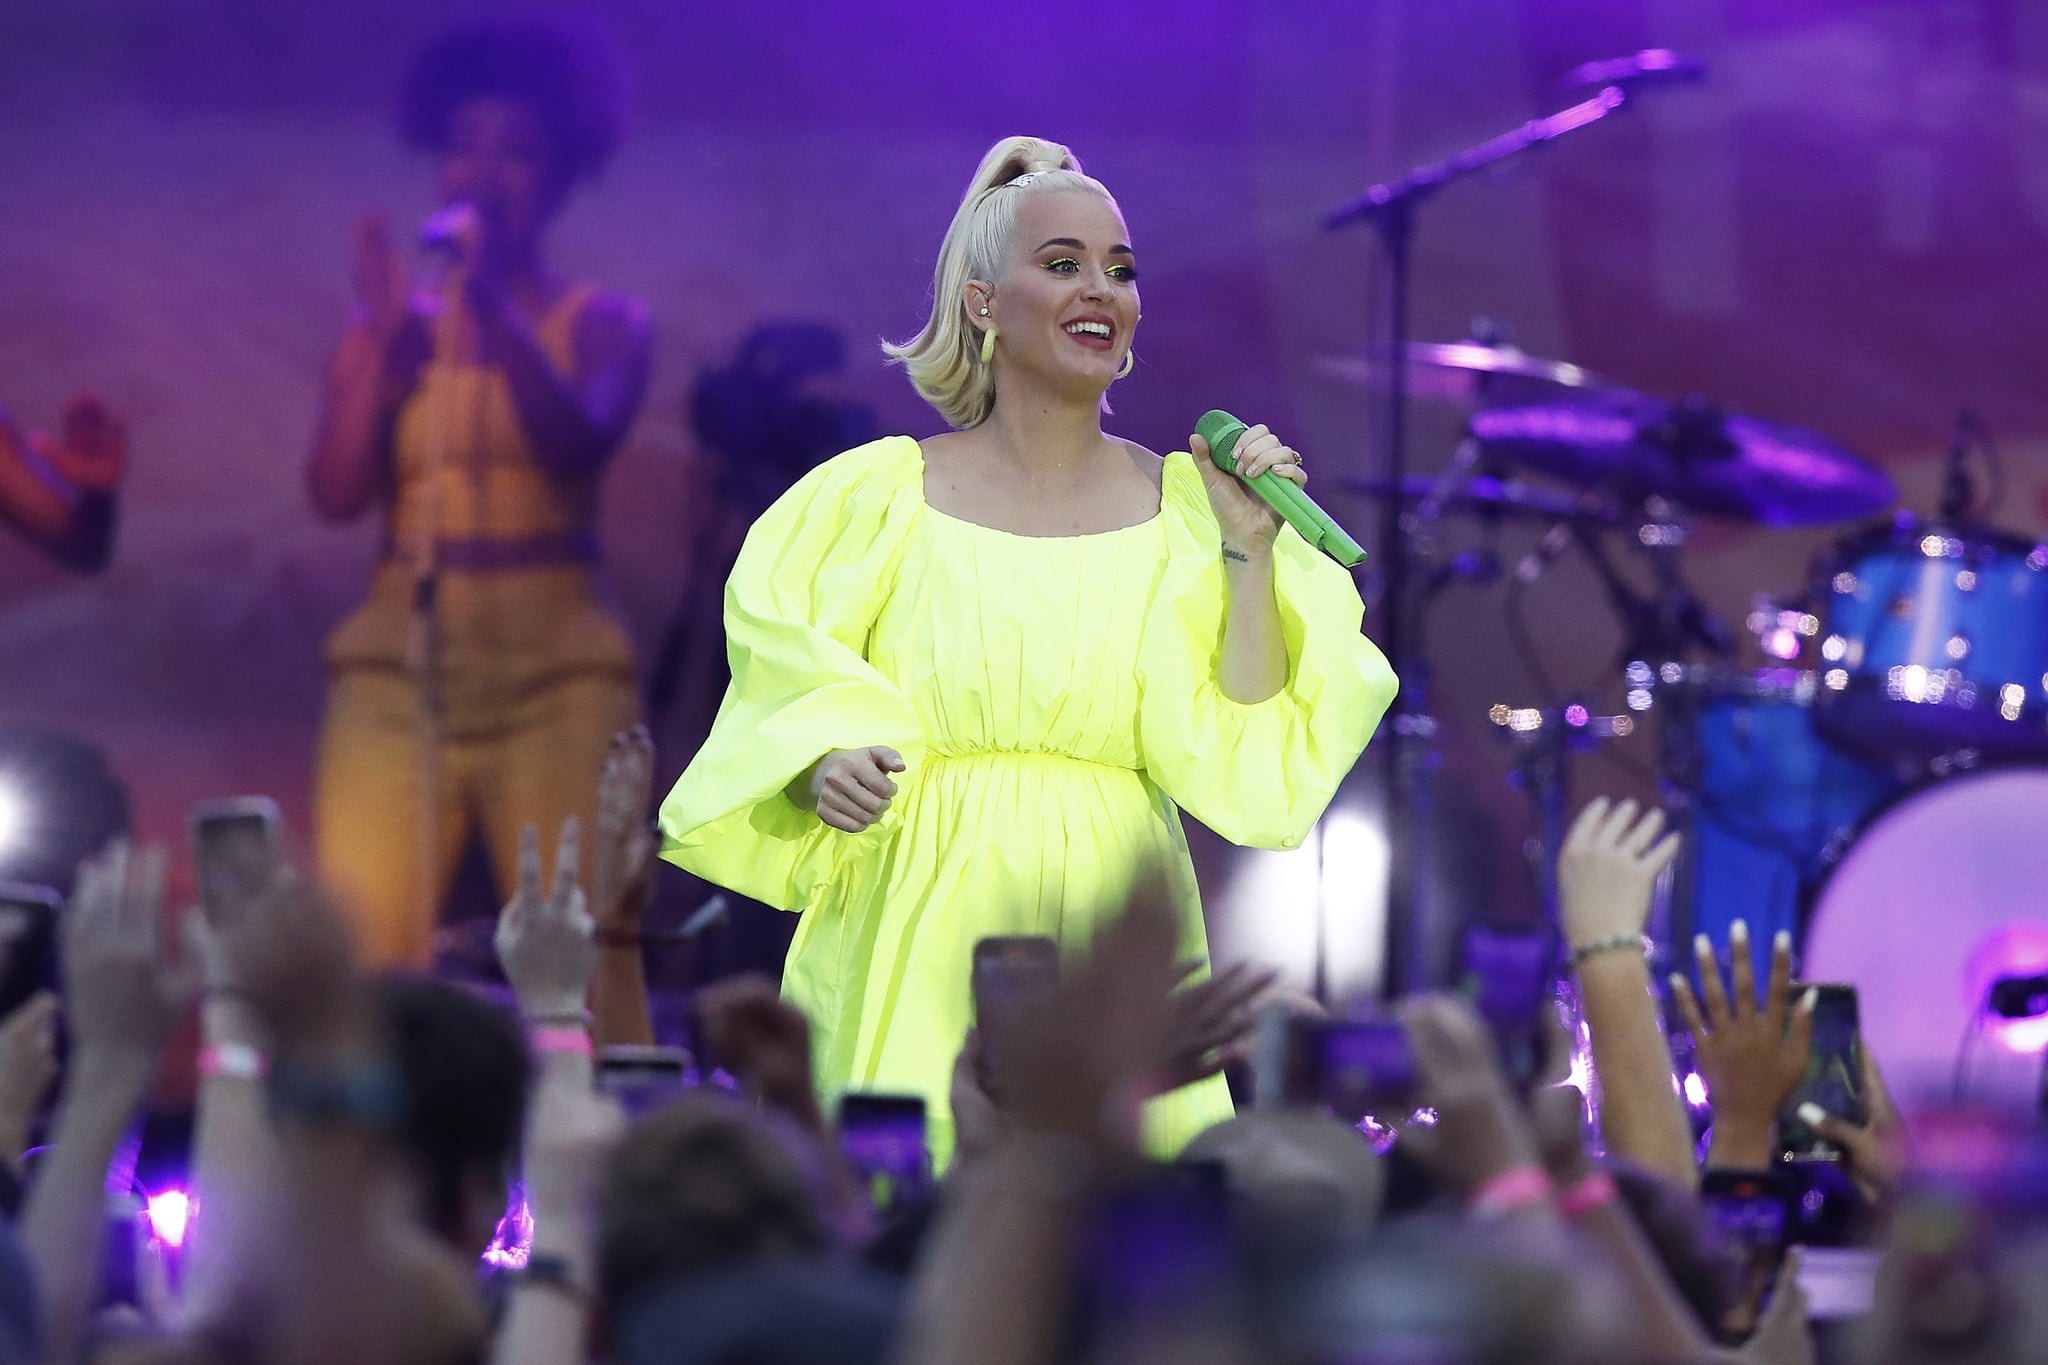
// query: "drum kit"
[[1882, 791]]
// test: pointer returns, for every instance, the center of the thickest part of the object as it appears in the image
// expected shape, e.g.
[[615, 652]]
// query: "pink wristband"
[[1513, 1189], [574, 1040], [1589, 1194]]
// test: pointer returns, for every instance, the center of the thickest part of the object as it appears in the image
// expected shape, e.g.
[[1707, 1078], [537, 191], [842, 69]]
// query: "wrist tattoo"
[[1239, 555]]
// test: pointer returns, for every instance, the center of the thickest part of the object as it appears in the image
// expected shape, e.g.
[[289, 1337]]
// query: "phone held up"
[[1011, 974], [230, 836], [1834, 1075]]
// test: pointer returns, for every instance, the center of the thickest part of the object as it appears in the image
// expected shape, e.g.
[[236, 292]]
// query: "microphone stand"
[[1390, 208]]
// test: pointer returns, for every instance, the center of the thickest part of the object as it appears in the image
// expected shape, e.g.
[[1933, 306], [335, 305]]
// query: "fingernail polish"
[[1808, 1001], [1677, 981], [1811, 1114], [1702, 945], [1781, 942], [1738, 932]]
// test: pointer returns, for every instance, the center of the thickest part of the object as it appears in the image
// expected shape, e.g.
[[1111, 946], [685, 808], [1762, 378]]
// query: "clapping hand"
[[622, 873], [545, 940]]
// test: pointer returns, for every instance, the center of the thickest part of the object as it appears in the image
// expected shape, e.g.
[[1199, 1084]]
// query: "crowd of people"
[[388, 1167]]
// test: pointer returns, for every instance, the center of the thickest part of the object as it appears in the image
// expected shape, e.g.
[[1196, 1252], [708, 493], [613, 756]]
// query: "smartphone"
[[1352, 1066], [1512, 978], [882, 1138], [228, 837], [1749, 1212], [1010, 974], [1834, 1074], [28, 942], [641, 1078]]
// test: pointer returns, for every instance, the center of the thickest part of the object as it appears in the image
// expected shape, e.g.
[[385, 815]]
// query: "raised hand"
[[284, 948], [28, 1063], [123, 996], [762, 1040], [1209, 1019], [622, 872], [92, 453], [1752, 1055], [1249, 524], [545, 940], [1607, 870], [381, 282], [1480, 1130], [852, 787], [1079, 1060]]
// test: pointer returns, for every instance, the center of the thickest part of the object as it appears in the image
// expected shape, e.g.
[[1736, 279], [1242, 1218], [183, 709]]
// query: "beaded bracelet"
[[1607, 944]]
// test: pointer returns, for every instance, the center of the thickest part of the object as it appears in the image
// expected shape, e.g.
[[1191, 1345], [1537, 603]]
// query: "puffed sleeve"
[[1258, 774], [811, 578]]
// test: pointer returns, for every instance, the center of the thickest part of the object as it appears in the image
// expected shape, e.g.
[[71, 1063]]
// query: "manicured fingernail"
[[1811, 1114], [1677, 982], [1702, 945], [1809, 1000], [1738, 932], [1781, 942]]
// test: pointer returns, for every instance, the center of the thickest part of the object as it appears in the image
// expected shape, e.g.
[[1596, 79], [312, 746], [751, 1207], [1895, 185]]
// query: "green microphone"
[[1222, 432]]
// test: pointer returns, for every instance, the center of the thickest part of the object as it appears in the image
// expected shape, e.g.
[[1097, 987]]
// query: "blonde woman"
[[975, 677]]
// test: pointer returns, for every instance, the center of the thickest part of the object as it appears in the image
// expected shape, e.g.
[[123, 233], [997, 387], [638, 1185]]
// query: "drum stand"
[[1391, 208]]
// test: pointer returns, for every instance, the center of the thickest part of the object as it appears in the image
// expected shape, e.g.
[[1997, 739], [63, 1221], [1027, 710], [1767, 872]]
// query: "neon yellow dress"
[[1055, 701]]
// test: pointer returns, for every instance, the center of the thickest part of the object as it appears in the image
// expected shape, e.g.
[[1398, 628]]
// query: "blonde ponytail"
[[944, 360]]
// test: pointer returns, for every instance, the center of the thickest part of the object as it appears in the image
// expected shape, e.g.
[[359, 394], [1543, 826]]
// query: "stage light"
[[2011, 953], [13, 816], [170, 1214], [512, 1243], [1280, 906]]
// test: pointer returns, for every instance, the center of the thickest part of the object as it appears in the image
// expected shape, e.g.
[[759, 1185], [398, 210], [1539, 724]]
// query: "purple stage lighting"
[[170, 1215]]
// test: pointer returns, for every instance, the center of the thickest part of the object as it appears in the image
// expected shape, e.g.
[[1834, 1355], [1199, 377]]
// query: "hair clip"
[[1021, 181]]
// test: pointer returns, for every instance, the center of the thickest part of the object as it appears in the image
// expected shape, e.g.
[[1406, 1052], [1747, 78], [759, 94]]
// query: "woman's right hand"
[[385, 292], [851, 787]]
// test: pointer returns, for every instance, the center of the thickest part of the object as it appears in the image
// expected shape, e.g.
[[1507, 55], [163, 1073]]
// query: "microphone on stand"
[[1651, 66]]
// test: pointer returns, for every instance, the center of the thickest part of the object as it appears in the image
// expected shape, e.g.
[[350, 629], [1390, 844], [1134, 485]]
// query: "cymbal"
[[1504, 497], [1467, 372], [1629, 446]]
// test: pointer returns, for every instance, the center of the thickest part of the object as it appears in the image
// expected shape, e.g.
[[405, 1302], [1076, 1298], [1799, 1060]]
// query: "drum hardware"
[[1711, 462], [1391, 208]]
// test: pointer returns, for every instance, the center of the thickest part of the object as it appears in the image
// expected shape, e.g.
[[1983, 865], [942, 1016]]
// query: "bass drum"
[[1940, 895]]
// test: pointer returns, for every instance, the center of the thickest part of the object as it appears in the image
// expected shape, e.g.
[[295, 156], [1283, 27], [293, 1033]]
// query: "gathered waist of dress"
[[480, 554], [1022, 757]]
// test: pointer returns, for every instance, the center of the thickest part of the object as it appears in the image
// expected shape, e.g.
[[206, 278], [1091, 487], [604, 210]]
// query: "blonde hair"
[[944, 360]]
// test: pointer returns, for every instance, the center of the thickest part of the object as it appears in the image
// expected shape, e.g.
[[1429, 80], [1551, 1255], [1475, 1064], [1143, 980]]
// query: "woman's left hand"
[[1249, 525]]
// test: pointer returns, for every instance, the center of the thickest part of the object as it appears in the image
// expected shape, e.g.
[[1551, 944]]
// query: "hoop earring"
[[988, 345], [1130, 359]]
